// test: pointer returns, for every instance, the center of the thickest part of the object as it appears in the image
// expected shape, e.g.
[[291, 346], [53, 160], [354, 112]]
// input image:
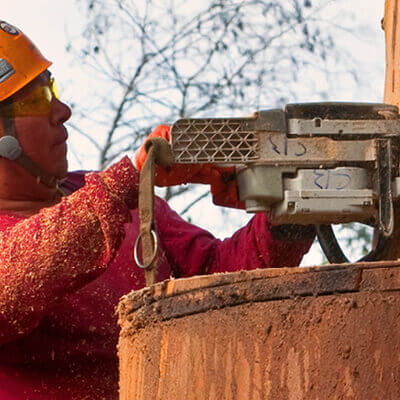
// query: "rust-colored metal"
[[303, 333]]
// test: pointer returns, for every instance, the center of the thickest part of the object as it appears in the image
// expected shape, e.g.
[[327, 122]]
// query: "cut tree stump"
[[276, 334]]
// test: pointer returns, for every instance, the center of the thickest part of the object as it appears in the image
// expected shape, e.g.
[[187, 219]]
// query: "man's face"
[[42, 135]]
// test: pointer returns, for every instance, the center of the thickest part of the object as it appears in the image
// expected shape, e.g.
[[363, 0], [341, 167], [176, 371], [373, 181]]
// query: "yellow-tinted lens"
[[54, 88], [35, 103]]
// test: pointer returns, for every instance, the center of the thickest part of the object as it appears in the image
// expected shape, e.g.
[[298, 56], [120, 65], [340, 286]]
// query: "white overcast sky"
[[48, 22]]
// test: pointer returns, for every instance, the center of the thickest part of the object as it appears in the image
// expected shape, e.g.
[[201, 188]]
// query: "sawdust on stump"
[[303, 333]]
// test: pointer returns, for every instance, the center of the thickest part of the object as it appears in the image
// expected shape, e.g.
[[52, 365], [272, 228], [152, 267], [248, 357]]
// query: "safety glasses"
[[36, 103]]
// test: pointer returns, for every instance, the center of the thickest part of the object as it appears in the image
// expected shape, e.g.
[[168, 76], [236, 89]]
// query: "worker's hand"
[[224, 188], [177, 173], [161, 131], [293, 232], [222, 180]]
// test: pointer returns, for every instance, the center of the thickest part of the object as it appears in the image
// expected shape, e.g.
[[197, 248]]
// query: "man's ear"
[[10, 147]]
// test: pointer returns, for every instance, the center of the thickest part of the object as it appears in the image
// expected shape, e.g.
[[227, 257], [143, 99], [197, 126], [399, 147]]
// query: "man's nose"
[[60, 112]]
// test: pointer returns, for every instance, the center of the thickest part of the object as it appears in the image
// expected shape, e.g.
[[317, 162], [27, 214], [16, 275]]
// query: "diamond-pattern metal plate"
[[213, 141]]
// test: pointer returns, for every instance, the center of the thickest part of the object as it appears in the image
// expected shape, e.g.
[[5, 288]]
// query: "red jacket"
[[63, 270]]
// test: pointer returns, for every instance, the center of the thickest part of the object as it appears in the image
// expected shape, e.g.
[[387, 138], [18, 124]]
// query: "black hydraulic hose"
[[333, 251], [330, 245]]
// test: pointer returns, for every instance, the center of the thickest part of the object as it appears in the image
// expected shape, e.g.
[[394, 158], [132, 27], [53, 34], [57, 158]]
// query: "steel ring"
[[135, 252]]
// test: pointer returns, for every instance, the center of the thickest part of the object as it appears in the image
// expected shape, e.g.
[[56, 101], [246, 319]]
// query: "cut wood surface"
[[299, 333], [391, 26]]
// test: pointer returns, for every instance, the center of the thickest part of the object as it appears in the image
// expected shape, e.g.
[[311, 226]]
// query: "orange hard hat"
[[20, 60]]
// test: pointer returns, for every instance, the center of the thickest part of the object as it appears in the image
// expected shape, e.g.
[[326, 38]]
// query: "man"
[[67, 240]]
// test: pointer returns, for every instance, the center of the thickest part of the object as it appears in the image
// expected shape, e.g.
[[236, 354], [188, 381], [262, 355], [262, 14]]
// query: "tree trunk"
[[391, 26], [267, 334]]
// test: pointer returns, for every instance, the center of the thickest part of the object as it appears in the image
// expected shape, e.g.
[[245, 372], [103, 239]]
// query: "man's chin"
[[62, 171]]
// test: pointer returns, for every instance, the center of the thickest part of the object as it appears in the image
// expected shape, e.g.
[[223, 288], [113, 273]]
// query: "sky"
[[49, 23], [46, 22]]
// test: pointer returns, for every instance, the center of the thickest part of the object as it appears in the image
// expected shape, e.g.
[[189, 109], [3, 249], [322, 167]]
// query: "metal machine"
[[312, 163]]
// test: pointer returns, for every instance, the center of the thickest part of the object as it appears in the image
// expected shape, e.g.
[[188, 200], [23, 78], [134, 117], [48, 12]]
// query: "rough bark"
[[391, 24], [298, 334]]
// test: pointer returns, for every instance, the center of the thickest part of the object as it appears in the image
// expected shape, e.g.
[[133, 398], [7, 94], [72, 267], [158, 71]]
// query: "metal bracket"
[[386, 213], [312, 163]]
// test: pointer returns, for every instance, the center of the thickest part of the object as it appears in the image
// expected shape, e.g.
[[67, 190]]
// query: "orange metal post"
[[391, 26]]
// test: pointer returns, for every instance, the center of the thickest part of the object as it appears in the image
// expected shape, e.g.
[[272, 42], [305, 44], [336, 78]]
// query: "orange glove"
[[175, 175], [224, 188], [222, 180]]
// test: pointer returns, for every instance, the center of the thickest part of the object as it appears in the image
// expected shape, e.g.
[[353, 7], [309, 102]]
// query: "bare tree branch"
[[195, 201]]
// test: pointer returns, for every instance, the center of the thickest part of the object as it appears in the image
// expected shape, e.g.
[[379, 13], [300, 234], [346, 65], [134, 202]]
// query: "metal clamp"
[[135, 251]]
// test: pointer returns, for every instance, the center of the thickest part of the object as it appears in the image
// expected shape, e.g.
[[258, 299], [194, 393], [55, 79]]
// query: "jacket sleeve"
[[62, 248], [192, 250]]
